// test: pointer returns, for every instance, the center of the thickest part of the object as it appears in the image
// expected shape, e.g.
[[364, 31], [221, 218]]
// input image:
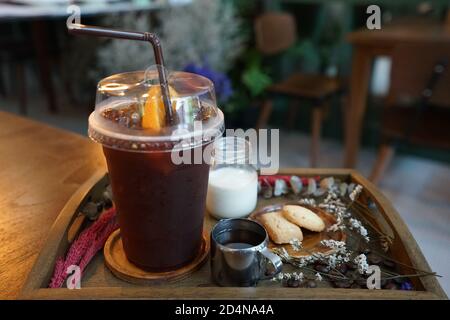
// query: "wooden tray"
[[99, 283]]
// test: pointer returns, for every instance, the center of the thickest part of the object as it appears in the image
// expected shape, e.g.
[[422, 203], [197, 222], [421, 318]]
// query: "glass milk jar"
[[233, 181]]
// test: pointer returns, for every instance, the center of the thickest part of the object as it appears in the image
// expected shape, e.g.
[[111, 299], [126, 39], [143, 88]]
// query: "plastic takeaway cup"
[[160, 201]]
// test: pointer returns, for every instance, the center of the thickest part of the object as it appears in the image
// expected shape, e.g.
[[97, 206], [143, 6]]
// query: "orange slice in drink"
[[154, 114]]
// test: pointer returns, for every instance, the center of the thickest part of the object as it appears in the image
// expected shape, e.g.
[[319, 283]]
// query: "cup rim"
[[260, 246]]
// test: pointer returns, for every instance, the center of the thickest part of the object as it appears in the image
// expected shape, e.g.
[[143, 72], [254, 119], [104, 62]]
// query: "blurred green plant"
[[254, 77], [250, 80]]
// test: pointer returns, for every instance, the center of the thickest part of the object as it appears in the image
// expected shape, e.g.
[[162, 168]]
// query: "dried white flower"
[[282, 253], [332, 260], [333, 244], [334, 205], [308, 201], [333, 228], [355, 224], [355, 192], [286, 276], [298, 276], [361, 261], [338, 225], [318, 277], [278, 277], [304, 261], [296, 244]]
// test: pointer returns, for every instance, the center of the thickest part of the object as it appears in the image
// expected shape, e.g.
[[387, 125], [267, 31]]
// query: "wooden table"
[[367, 44], [40, 168]]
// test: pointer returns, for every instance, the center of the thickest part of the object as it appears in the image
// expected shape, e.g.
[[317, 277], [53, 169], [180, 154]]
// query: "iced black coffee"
[[159, 182]]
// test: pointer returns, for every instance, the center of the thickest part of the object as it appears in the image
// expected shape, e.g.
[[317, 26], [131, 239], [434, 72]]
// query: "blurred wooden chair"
[[276, 32], [418, 104]]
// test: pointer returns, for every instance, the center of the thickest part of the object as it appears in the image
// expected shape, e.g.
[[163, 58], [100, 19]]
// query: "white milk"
[[232, 192]]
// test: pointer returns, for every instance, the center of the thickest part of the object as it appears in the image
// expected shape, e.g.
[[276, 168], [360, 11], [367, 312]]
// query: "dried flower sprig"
[[341, 200], [355, 224], [361, 261], [355, 193], [308, 201], [296, 244], [339, 246], [286, 276]]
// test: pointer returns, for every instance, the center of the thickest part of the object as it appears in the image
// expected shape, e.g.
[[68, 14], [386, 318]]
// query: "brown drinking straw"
[[140, 36]]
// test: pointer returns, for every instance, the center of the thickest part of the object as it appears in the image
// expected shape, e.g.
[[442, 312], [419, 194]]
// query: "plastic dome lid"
[[130, 114]]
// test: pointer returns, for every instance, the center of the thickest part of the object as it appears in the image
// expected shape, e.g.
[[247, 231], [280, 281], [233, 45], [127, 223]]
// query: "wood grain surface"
[[402, 31], [40, 168], [116, 261]]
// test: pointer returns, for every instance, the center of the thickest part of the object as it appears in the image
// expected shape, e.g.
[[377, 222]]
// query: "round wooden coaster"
[[117, 262]]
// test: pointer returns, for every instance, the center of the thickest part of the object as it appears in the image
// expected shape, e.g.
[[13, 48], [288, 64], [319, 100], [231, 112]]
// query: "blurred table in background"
[[40, 12], [367, 44], [26, 9]]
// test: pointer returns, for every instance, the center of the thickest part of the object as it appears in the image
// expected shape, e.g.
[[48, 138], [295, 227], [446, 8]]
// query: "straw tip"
[[74, 26]]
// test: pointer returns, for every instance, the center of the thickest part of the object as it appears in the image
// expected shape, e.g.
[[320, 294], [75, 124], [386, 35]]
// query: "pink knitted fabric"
[[84, 248]]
